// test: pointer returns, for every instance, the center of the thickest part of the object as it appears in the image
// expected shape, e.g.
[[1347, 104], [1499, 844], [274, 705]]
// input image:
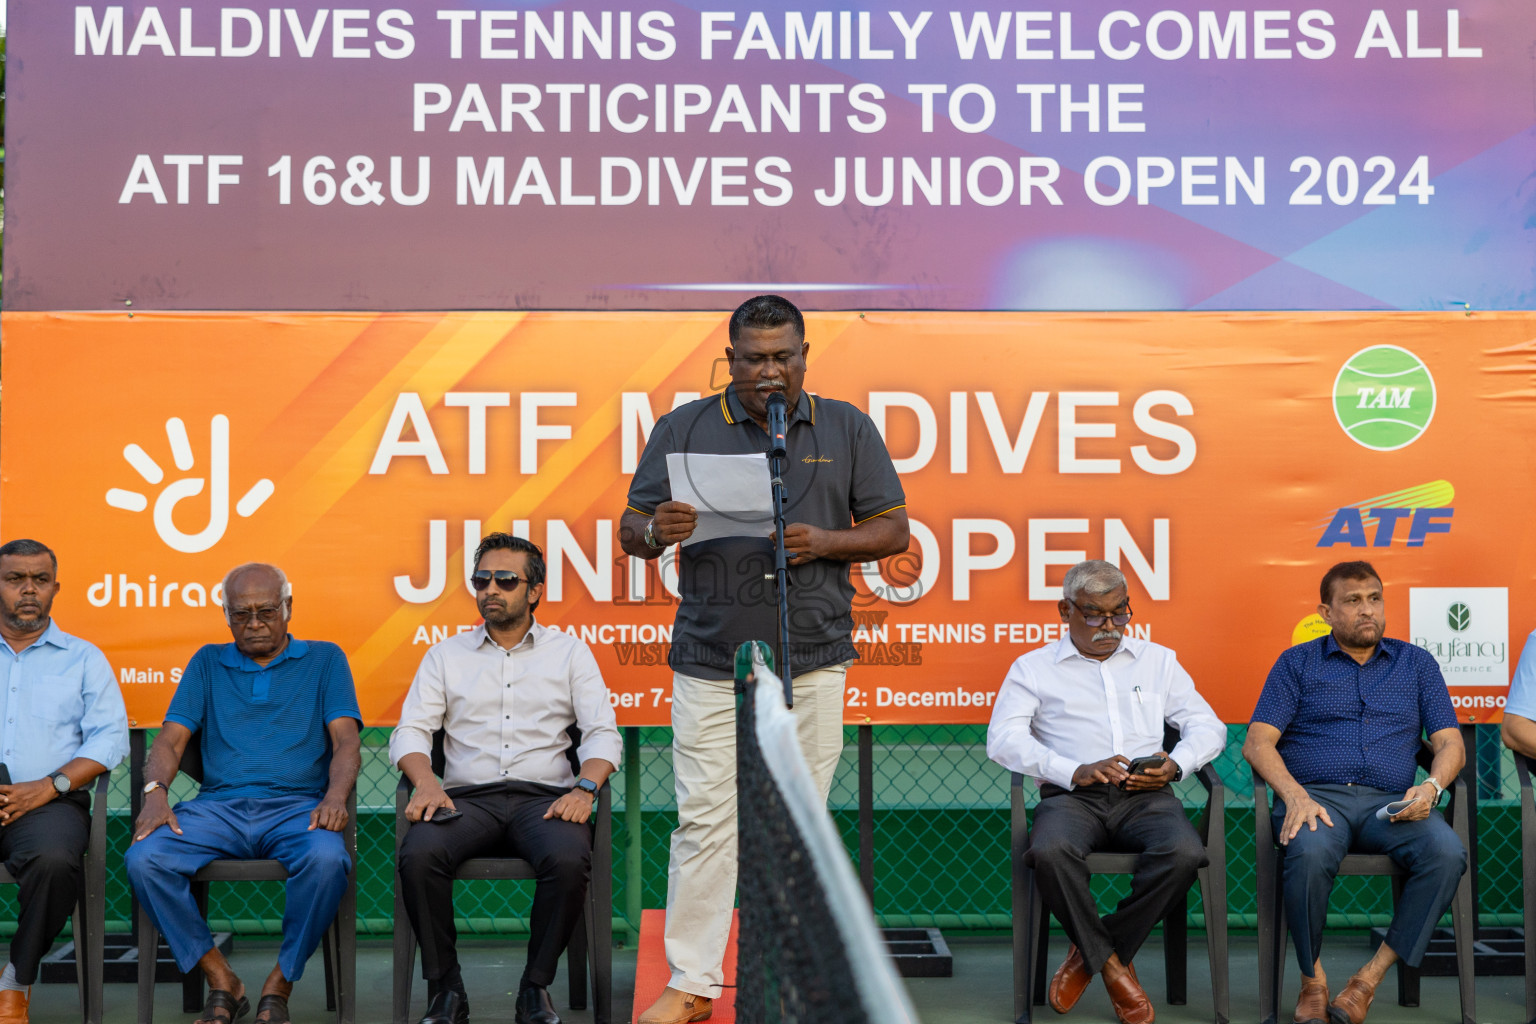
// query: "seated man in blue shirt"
[[64, 724], [1336, 733], [1519, 728], [279, 724]]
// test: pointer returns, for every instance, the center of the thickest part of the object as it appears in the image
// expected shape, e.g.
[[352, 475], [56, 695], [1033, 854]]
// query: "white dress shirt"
[[504, 712], [1058, 710]]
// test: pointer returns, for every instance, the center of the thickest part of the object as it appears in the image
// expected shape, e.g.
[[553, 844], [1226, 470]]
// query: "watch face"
[[61, 782]]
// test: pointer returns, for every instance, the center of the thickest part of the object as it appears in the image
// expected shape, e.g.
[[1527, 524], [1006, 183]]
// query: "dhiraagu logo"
[[215, 481], [1384, 397]]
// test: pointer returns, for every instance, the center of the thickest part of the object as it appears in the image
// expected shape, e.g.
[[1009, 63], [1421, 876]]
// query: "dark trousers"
[[1071, 824], [1429, 850], [500, 819], [44, 851]]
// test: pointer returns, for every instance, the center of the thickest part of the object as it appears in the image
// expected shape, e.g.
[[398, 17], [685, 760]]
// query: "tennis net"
[[808, 951]]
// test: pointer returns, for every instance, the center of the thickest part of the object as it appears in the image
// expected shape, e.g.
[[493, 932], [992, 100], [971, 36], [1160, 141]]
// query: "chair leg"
[[1023, 942], [346, 956], [1040, 927], [328, 954], [84, 965], [149, 944], [1462, 921], [405, 959], [1213, 897], [1407, 977], [192, 981], [601, 948], [1176, 952]]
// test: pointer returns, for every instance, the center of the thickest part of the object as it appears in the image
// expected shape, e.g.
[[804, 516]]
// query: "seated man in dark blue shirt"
[[1336, 733], [279, 724]]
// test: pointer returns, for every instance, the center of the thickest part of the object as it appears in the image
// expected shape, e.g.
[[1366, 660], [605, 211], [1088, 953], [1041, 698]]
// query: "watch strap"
[[54, 778], [1439, 789]]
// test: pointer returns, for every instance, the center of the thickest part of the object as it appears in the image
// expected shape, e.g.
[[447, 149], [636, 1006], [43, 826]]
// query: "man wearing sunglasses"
[[503, 696], [277, 725], [1074, 714]]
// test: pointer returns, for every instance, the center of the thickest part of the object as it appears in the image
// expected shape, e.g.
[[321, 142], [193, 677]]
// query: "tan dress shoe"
[[1130, 1003], [1068, 983], [1354, 1002], [13, 1006], [1312, 1004], [674, 1007]]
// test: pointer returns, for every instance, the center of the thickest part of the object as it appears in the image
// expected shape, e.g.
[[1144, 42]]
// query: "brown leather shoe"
[[1125, 994], [1312, 1004], [1069, 981], [13, 1007], [1351, 1005], [677, 1007]]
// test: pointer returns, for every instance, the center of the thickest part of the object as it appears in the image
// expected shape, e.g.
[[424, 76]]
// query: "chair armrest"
[[1215, 816], [1263, 830], [1457, 814], [349, 834], [1523, 770], [97, 848], [403, 792]]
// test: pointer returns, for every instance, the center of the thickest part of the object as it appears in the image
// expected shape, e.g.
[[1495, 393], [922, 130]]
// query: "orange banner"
[[1223, 460]]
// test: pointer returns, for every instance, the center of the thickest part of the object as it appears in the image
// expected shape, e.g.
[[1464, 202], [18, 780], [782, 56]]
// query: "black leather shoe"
[[449, 1006], [533, 1005]]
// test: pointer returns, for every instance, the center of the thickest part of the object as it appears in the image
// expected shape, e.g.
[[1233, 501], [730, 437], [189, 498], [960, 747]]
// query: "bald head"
[[258, 602]]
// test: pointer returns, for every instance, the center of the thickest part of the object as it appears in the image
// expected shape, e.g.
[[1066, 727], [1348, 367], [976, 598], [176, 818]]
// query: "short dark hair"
[[1346, 571], [764, 313], [507, 542], [27, 548]]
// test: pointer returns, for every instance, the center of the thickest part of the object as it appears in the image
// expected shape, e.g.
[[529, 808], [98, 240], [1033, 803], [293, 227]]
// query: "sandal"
[[222, 1008], [276, 1009]]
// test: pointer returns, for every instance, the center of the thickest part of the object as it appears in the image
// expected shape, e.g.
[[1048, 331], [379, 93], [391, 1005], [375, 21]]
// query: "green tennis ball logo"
[[1384, 397]]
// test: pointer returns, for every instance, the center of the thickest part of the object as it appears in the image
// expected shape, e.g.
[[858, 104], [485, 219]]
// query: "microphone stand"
[[778, 450]]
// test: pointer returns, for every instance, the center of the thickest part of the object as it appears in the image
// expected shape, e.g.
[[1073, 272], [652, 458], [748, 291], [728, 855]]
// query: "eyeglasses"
[[505, 579], [267, 616], [1095, 618]]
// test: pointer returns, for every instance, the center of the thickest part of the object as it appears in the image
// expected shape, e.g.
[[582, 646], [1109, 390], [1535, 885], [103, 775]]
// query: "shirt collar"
[[481, 636], [230, 656], [51, 635], [1065, 649], [1331, 647], [734, 412]]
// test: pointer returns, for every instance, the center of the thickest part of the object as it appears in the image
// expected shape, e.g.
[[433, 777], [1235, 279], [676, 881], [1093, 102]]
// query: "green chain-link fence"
[[941, 839]]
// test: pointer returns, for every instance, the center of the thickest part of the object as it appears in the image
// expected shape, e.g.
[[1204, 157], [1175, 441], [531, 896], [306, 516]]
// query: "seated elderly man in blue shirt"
[[1336, 734], [279, 722], [64, 724]]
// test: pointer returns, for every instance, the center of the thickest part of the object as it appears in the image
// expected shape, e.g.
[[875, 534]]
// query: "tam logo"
[[1349, 526]]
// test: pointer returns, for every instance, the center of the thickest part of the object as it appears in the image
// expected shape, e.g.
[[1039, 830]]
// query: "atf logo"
[[1384, 397], [1411, 515], [216, 482]]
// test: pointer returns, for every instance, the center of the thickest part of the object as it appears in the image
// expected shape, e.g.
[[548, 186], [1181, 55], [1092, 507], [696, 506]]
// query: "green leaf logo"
[[1458, 616]]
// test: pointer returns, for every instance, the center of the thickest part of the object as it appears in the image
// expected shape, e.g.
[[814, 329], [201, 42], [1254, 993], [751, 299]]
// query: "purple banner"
[[657, 156]]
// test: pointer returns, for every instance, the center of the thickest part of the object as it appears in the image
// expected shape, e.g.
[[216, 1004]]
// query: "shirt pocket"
[[1147, 708], [56, 700]]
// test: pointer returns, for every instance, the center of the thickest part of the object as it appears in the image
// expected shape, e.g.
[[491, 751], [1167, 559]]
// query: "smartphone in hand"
[[1142, 765], [443, 814]]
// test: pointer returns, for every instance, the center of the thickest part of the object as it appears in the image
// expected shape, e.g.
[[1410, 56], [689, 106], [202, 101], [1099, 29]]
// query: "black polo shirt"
[[838, 474]]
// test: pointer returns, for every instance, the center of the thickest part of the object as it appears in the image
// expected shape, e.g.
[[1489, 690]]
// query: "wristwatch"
[[61, 783], [650, 535], [152, 785], [589, 787], [1439, 789]]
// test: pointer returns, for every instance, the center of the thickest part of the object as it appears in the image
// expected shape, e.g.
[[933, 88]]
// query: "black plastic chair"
[[1274, 931], [339, 946], [89, 921], [1031, 922], [1528, 859], [595, 936]]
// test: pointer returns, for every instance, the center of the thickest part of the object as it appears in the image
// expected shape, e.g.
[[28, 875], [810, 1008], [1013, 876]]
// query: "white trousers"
[[701, 878]]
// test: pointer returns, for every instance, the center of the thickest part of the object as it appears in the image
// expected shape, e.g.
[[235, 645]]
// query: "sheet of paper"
[[732, 494]]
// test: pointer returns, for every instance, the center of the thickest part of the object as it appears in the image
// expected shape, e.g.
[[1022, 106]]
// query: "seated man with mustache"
[[1073, 714]]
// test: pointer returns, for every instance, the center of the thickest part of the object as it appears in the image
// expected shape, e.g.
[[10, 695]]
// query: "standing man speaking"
[[843, 504]]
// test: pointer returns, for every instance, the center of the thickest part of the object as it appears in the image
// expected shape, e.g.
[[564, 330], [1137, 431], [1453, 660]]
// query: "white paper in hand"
[[731, 493]]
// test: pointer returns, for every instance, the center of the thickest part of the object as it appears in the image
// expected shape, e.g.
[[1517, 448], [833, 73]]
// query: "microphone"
[[778, 425]]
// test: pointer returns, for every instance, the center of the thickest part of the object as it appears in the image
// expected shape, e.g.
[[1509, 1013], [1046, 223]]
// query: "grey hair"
[[1093, 577], [285, 590]]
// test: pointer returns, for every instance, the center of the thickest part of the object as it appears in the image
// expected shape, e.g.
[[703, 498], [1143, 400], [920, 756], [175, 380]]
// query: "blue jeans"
[[241, 828]]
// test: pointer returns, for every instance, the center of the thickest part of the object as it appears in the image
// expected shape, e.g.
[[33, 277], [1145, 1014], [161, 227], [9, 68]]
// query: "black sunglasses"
[[505, 579]]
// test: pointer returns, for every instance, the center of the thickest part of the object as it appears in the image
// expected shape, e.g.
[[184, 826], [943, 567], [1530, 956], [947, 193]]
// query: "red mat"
[[652, 975]]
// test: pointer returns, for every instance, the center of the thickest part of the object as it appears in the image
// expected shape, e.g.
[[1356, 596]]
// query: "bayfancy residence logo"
[[215, 480]]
